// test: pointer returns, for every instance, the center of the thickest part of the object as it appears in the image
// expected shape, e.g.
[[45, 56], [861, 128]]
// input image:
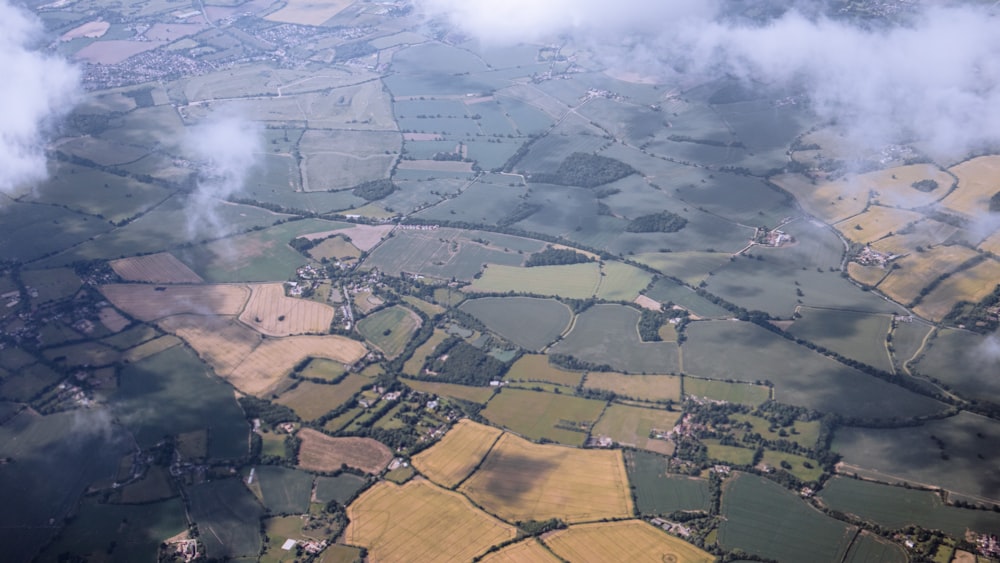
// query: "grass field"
[[520, 480], [972, 285], [574, 281], [608, 334], [131, 337], [312, 400], [634, 427], [284, 490], [419, 521], [976, 186], [961, 360], [440, 253], [526, 551], [742, 393], [145, 302], [560, 418], [869, 547], [428, 308], [336, 160], [527, 322], [801, 432], [629, 540], [895, 507], [326, 370], [460, 452], [728, 454], [464, 392], [763, 518], [621, 282], [228, 518], [162, 267], [339, 488], [390, 329], [320, 452], [52, 284], [875, 223], [83, 354], [860, 336], [658, 492], [270, 312], [536, 367], [637, 387], [797, 463]]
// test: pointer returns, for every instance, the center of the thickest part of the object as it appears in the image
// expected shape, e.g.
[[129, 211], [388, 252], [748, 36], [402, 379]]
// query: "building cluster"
[[988, 545], [868, 256]]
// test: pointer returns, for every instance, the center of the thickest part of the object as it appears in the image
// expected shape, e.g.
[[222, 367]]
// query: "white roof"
[[288, 545]]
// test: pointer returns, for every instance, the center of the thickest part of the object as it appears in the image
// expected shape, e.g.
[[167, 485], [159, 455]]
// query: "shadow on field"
[[510, 477]]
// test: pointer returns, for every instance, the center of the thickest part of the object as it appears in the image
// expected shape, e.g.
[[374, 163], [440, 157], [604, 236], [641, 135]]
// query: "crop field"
[[428, 308], [728, 454], [830, 201], [439, 253], [971, 284], [926, 233], [621, 282], [526, 551], [976, 186], [875, 223], [667, 291], [228, 518], [335, 248], [162, 267], [416, 361], [312, 400], [637, 387], [536, 367], [340, 488], [609, 334], [112, 320], [458, 454], [895, 185], [520, 480], [917, 271], [390, 329], [860, 336], [560, 418], [896, 508], [337, 160], [419, 521], [958, 454], [325, 370], [730, 350], [868, 275], [222, 342], [658, 492], [527, 322], [961, 359], [365, 237], [634, 427], [868, 547], [463, 392], [628, 540], [764, 518], [799, 469], [270, 312], [742, 393], [145, 302], [574, 281], [284, 490], [275, 357], [320, 452]]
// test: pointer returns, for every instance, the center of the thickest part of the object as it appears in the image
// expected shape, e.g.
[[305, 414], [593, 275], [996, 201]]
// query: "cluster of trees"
[[925, 185], [556, 257], [585, 170], [354, 50], [662, 222], [995, 203], [374, 189], [519, 213], [976, 316], [465, 364], [566, 361], [269, 413], [708, 142]]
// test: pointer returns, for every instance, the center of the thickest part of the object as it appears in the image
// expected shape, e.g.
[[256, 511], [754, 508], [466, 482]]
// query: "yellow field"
[[919, 269], [463, 392], [335, 248], [629, 540], [420, 521], [275, 357], [527, 551], [991, 244], [270, 312], [520, 480], [320, 452], [876, 223], [457, 454], [162, 267], [926, 233], [894, 186], [831, 202], [146, 303], [577, 281], [536, 367], [976, 185], [147, 349], [971, 285], [309, 12], [221, 342], [643, 387], [869, 275]]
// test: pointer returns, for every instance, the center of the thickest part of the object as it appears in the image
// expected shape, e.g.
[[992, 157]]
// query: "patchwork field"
[[830, 201], [574, 281], [609, 334], [150, 302], [419, 521], [284, 490], [390, 329], [442, 253], [520, 480], [537, 415], [629, 540], [536, 368], [320, 452], [917, 271], [275, 357], [976, 185], [162, 267], [894, 186], [461, 451], [635, 426], [270, 312], [527, 322], [971, 284], [875, 223], [222, 342], [637, 387], [621, 282]]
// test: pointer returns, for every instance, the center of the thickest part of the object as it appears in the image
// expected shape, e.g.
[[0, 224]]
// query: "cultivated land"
[[463, 392], [743, 393], [312, 400], [320, 452], [275, 357], [527, 551], [630, 540], [457, 454], [520, 480], [659, 492], [530, 323], [537, 368], [162, 267], [421, 521], [390, 329], [637, 387], [574, 281], [560, 418], [636, 426], [609, 334], [976, 186], [270, 312], [151, 302]]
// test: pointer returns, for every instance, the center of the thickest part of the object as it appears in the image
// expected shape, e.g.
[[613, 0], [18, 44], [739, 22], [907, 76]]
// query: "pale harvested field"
[[114, 51], [112, 319], [642, 387], [172, 31], [876, 223], [275, 357], [970, 285], [272, 313], [991, 244], [320, 452], [919, 269], [334, 248], [868, 275], [147, 349], [977, 182], [421, 136], [457, 454], [309, 12], [420, 521], [364, 237], [630, 540], [436, 165], [222, 342], [162, 267], [520, 480], [926, 233], [527, 551], [829, 201], [145, 303], [648, 303], [894, 186], [632, 426], [93, 30]]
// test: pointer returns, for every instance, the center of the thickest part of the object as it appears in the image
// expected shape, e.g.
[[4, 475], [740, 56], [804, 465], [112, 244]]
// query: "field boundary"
[[476, 468]]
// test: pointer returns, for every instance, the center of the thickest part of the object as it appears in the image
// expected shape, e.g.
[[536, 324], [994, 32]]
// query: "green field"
[[52, 284], [763, 518], [319, 368], [667, 291], [657, 492], [535, 415], [439, 253], [635, 427], [537, 368], [574, 281], [961, 360], [228, 518], [340, 488], [527, 322], [416, 361], [312, 400], [621, 282], [859, 336], [869, 548], [389, 329], [131, 337], [742, 393], [728, 454], [798, 468], [801, 432], [464, 392], [285, 491], [907, 339], [27, 382], [608, 334]]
